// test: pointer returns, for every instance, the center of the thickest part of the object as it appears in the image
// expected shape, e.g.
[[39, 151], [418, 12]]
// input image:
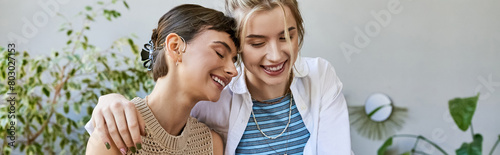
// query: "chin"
[[275, 80], [214, 98]]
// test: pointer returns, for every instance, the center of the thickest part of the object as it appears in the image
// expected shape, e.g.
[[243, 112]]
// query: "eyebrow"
[[225, 45], [261, 36], [289, 29]]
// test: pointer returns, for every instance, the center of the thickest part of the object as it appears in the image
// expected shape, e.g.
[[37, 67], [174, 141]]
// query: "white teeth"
[[273, 69], [216, 79]]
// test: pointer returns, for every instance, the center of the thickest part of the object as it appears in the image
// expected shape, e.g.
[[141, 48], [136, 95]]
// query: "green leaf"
[[68, 95], [89, 110], [55, 54], [407, 153], [84, 45], [69, 42], [473, 148], [132, 46], [46, 91], [39, 69], [63, 143], [76, 108], [66, 108], [88, 8], [69, 32], [86, 81], [72, 72], [126, 5], [90, 18], [384, 147], [462, 110], [68, 128]]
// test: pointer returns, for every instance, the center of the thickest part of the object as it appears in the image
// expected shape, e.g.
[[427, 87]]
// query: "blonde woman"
[[191, 55], [281, 103]]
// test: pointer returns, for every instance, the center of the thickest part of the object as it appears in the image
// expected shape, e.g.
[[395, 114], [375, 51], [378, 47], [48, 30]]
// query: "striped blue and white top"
[[272, 119]]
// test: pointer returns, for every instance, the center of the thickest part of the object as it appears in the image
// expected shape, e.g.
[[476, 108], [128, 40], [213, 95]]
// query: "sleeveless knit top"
[[194, 139]]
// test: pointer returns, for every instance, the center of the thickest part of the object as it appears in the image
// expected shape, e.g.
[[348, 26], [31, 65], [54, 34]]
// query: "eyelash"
[[283, 38], [220, 55], [257, 45], [260, 44], [235, 58]]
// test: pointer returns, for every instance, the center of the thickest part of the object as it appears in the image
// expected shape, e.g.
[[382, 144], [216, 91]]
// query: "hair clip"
[[147, 55]]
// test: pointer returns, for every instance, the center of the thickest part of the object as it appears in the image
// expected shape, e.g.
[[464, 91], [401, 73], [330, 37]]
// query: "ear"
[[172, 47]]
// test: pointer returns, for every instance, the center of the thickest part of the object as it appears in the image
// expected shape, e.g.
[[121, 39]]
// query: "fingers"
[[119, 113], [118, 122], [113, 131], [133, 125], [101, 127]]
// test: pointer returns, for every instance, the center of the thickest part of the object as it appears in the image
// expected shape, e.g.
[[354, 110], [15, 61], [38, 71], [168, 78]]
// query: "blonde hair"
[[242, 10]]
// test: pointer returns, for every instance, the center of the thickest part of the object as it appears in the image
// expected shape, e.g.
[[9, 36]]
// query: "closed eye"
[[283, 38], [220, 55], [257, 44]]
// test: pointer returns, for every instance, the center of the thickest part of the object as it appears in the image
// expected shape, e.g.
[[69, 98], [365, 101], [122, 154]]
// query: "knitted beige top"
[[194, 139]]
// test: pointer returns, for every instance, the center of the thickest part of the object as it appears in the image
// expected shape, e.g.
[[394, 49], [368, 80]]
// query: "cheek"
[[250, 58]]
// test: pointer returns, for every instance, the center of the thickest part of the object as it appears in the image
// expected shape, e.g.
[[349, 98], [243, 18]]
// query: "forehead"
[[270, 22], [207, 36]]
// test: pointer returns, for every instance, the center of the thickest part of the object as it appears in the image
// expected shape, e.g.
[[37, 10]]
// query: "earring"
[[177, 62]]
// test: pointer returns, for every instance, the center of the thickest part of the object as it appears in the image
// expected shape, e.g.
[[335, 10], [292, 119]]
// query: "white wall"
[[429, 52]]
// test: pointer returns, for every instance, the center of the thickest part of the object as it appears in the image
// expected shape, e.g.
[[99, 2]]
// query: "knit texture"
[[194, 139]]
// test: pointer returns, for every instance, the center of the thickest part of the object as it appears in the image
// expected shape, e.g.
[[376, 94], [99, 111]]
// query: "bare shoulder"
[[95, 146], [217, 143]]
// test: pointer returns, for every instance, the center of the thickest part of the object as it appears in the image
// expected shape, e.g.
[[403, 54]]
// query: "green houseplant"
[[461, 110], [52, 89]]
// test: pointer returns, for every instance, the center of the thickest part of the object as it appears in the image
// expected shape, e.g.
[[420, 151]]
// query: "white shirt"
[[317, 93]]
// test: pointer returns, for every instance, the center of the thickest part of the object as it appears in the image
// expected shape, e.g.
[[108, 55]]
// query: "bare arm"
[[217, 143], [117, 122]]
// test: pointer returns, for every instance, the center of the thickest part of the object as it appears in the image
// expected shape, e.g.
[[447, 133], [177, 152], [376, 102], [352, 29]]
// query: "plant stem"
[[4, 143], [472, 130], [420, 152], [494, 146], [416, 143], [54, 101], [433, 144], [33, 137], [423, 138]]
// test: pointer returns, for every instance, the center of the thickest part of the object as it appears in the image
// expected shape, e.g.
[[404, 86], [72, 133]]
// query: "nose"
[[230, 69], [273, 52]]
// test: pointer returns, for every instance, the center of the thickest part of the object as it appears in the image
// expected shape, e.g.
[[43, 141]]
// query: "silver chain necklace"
[[288, 137], [287, 124]]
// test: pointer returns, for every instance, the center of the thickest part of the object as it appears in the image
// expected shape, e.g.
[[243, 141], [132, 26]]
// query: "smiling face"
[[266, 54], [208, 64]]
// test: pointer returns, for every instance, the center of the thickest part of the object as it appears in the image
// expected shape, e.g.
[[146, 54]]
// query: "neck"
[[170, 106], [262, 91]]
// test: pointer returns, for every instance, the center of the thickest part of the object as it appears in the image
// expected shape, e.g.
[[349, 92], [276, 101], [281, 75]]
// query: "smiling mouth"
[[218, 80], [274, 68]]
